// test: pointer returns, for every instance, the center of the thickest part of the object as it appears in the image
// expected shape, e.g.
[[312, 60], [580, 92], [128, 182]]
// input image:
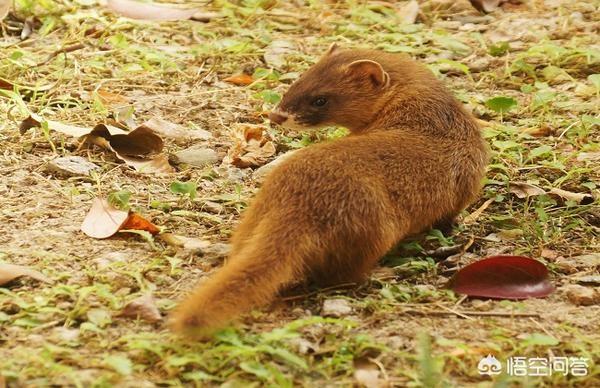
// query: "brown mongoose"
[[415, 158]]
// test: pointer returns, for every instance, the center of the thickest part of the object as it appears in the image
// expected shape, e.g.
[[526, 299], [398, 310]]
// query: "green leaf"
[[121, 364], [269, 96], [184, 188], [120, 199], [499, 49], [540, 339], [595, 80], [539, 151], [501, 104], [542, 98], [256, 369]]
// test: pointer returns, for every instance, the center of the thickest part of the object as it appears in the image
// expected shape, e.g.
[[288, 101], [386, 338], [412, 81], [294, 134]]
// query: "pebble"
[[336, 308], [71, 166], [197, 156], [260, 173], [582, 296]]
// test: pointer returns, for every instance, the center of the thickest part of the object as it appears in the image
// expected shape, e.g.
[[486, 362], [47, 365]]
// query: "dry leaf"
[[137, 222], [10, 272], [477, 213], [174, 131], [36, 121], [150, 11], [524, 189], [111, 99], [140, 148], [144, 308], [190, 243], [367, 374], [157, 165], [4, 8], [252, 146], [103, 220], [276, 52], [580, 198], [409, 12], [240, 79]]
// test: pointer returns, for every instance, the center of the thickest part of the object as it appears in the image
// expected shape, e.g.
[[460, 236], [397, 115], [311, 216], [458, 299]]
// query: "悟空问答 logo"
[[489, 366]]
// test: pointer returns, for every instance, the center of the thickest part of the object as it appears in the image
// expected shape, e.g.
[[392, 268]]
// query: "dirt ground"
[[81, 64]]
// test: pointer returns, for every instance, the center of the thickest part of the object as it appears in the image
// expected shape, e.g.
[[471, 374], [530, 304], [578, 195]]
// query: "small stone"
[[260, 173], [71, 166], [197, 156], [336, 308], [217, 250], [582, 296], [590, 280], [213, 207]]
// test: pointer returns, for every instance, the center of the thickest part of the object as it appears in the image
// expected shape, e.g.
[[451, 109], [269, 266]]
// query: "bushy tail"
[[250, 278]]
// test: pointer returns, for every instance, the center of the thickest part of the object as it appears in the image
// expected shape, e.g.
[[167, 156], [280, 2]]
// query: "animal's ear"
[[365, 68], [332, 49]]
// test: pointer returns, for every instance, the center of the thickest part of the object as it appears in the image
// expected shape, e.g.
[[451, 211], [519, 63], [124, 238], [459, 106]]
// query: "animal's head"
[[346, 88]]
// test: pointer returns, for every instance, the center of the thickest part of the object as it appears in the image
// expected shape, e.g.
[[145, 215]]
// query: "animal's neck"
[[431, 112]]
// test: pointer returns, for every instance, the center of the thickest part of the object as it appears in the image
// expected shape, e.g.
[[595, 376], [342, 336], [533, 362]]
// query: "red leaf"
[[503, 277], [137, 222], [150, 11]]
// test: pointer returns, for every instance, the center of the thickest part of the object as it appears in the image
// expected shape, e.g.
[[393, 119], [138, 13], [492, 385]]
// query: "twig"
[[312, 293], [64, 50], [476, 313], [454, 311]]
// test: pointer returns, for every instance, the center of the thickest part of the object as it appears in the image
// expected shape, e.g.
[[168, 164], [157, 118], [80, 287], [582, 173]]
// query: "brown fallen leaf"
[[588, 156], [137, 222], [144, 308], [240, 79], [140, 148], [150, 11], [580, 198], [524, 189], [103, 220], [10, 272], [111, 99], [252, 146], [367, 374]]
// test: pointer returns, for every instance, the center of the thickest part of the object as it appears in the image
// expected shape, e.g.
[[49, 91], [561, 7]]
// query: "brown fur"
[[415, 158]]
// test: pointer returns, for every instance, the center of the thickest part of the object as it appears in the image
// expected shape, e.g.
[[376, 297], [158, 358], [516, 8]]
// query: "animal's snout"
[[278, 117]]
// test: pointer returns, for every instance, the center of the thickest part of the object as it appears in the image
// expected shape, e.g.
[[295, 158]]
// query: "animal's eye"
[[319, 101]]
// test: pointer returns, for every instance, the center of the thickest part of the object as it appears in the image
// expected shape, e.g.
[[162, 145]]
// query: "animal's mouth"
[[287, 120]]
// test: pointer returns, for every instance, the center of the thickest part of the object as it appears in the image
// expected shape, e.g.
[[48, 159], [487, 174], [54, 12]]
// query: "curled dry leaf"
[[580, 198], [144, 308], [10, 272], [137, 222], [503, 277], [140, 148], [367, 374], [103, 220], [240, 79], [149, 11], [524, 189], [252, 146]]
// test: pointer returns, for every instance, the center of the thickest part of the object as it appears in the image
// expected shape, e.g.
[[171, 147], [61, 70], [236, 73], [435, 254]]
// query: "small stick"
[[478, 313], [64, 50], [454, 312]]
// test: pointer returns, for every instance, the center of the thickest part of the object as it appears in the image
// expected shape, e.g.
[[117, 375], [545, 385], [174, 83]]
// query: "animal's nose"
[[278, 117]]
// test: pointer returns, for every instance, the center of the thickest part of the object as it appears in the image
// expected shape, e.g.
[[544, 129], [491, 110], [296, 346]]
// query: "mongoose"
[[414, 158]]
